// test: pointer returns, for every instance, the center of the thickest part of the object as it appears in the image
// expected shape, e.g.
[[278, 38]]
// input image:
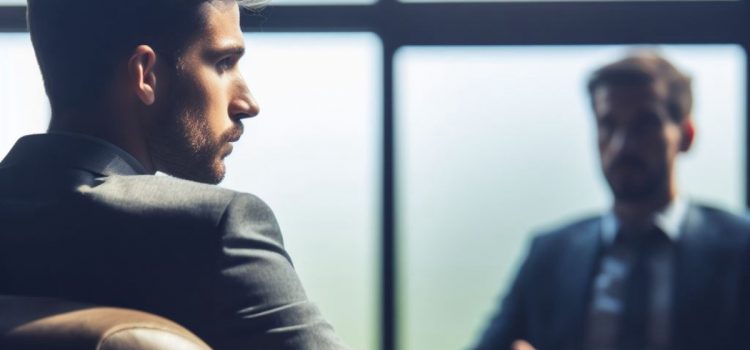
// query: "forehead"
[[625, 99], [221, 24]]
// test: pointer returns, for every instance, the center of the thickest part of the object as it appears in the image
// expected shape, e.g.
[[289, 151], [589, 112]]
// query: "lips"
[[228, 148], [235, 134], [628, 163]]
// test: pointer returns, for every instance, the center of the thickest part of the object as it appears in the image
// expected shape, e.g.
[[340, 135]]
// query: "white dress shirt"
[[610, 276]]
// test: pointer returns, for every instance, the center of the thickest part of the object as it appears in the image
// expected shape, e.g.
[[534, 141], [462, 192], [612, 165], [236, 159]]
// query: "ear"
[[142, 75], [688, 133]]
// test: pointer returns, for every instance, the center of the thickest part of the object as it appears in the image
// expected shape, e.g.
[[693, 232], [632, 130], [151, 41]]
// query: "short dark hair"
[[645, 68], [79, 42]]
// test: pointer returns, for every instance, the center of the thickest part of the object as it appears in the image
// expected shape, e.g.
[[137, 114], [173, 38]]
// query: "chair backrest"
[[29, 323]]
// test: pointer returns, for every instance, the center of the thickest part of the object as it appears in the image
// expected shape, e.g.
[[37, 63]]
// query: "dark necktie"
[[633, 331]]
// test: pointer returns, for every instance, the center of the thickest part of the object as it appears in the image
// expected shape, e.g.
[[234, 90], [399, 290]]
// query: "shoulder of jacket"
[[163, 195], [721, 218], [563, 233]]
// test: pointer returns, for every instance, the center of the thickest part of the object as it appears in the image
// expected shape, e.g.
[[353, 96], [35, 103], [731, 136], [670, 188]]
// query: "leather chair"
[[29, 323]]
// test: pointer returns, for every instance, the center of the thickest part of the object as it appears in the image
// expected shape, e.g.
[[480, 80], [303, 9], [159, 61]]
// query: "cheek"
[[216, 107], [605, 150], [660, 151]]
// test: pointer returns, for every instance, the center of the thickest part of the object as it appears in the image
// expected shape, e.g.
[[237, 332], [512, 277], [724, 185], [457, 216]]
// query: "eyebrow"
[[230, 50]]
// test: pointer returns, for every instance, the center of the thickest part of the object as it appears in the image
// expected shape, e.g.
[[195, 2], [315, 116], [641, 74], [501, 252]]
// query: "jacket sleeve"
[[262, 302], [509, 322]]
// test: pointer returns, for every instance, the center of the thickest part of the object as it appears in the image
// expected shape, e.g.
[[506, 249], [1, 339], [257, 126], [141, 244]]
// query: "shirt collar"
[[669, 220]]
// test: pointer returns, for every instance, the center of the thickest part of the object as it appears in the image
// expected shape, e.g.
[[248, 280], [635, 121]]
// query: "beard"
[[631, 180], [182, 142]]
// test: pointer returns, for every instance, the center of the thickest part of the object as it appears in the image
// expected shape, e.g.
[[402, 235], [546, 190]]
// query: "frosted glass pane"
[[23, 104], [495, 143], [313, 154]]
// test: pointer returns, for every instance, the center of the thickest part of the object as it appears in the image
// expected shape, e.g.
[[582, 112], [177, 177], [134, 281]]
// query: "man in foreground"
[[657, 271], [136, 87]]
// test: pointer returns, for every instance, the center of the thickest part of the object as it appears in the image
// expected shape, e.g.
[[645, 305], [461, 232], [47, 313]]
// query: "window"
[[23, 104], [496, 143], [313, 154]]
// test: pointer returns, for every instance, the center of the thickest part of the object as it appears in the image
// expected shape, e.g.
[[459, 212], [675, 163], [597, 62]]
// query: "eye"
[[226, 64]]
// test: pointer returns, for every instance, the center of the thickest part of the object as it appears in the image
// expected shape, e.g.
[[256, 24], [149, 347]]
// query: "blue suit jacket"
[[79, 221], [548, 300]]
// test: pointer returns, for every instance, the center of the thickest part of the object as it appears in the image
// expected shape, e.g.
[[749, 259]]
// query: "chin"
[[631, 196], [636, 191], [219, 171], [211, 174]]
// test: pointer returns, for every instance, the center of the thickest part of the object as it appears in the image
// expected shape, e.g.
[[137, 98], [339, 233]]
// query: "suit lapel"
[[577, 270]]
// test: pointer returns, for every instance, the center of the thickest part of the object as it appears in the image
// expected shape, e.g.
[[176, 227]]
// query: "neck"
[[631, 211], [107, 129]]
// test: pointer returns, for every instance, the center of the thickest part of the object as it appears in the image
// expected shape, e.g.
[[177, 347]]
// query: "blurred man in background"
[[657, 271]]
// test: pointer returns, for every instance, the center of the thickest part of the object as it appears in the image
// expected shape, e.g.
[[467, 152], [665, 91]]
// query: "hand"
[[521, 345]]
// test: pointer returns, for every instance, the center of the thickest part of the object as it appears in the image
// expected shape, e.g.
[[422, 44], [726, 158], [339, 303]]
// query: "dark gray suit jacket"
[[547, 302], [80, 221]]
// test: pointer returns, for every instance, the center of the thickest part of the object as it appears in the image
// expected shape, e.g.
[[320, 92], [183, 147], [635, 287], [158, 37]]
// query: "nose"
[[625, 141], [244, 106]]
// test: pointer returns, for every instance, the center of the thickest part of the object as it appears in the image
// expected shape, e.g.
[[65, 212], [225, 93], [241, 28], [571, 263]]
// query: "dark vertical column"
[[746, 47], [389, 249], [386, 25], [746, 175]]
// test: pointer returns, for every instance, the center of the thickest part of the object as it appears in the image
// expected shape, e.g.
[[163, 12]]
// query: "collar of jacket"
[[72, 150]]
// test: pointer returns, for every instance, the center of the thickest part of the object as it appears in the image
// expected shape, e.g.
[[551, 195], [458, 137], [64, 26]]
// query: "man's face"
[[638, 140], [207, 98]]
